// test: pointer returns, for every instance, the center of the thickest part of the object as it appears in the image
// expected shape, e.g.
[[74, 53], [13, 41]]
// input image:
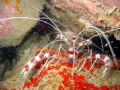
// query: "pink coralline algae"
[[6, 28], [86, 5], [89, 5], [103, 13], [111, 3]]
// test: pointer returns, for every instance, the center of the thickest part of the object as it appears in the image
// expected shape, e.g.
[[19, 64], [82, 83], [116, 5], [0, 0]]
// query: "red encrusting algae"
[[69, 80]]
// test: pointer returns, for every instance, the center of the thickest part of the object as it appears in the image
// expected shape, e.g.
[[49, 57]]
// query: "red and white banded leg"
[[106, 60], [29, 66], [97, 56], [108, 65], [32, 63]]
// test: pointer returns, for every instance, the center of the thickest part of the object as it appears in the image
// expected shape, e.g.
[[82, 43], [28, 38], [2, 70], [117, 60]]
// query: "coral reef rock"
[[15, 20], [79, 14]]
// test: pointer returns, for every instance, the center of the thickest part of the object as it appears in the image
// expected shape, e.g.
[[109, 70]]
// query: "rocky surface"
[[80, 14], [14, 30], [75, 15]]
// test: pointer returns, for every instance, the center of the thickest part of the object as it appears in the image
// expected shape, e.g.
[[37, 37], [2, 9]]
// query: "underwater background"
[[59, 45]]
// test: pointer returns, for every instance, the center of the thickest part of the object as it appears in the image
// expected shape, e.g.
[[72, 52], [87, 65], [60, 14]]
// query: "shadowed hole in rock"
[[104, 46], [7, 58]]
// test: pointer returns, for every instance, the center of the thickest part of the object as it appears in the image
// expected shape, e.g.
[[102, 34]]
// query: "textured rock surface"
[[101, 13], [97, 10], [13, 31], [74, 14]]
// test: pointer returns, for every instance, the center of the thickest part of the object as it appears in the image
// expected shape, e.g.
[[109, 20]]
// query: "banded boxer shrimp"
[[76, 44], [74, 48]]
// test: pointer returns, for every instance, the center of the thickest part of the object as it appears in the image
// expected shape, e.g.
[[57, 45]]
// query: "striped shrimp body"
[[41, 57], [96, 58], [45, 55], [75, 49], [35, 62]]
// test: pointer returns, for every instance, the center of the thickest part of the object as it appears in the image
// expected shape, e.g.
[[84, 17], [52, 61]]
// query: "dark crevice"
[[7, 55], [114, 43]]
